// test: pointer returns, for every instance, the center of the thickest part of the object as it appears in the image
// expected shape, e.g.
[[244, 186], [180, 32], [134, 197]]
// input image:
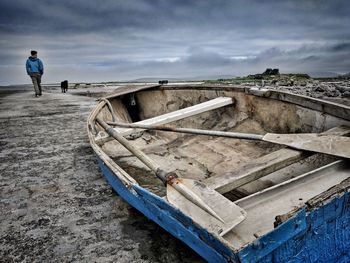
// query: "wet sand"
[[55, 203]]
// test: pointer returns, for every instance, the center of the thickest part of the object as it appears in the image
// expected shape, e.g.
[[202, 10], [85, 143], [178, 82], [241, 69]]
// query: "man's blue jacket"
[[34, 65]]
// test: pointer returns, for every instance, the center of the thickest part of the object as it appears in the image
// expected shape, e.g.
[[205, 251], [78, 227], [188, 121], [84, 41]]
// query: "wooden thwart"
[[181, 114], [262, 166]]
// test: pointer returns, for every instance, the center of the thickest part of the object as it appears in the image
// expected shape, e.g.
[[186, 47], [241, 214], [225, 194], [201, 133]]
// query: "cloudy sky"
[[90, 40]]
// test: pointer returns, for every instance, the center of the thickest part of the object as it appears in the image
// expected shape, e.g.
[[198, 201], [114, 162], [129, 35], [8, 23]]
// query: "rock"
[[333, 93], [342, 89], [346, 94], [319, 89]]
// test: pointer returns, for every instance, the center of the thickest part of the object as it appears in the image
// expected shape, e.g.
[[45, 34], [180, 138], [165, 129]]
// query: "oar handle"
[[161, 174], [237, 135]]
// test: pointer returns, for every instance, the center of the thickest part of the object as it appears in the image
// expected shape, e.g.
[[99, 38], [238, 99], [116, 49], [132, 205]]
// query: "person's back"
[[35, 69], [34, 65]]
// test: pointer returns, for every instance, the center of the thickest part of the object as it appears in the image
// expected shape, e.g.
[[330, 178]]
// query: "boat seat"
[[180, 114], [263, 166]]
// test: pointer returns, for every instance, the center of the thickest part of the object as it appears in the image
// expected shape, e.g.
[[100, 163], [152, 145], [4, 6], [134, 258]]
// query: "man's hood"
[[33, 58]]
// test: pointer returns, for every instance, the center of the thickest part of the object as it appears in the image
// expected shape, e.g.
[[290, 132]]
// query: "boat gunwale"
[[126, 178], [324, 106]]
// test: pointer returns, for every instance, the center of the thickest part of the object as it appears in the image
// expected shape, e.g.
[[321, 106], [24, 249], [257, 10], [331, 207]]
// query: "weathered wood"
[[229, 213], [181, 114], [262, 166], [331, 108], [328, 144], [236, 135], [254, 170], [171, 116], [263, 206], [184, 193]]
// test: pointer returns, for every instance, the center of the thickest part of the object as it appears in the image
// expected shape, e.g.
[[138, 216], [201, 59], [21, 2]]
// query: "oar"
[[323, 143], [189, 195]]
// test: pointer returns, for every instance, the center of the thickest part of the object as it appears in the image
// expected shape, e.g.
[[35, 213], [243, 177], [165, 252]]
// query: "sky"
[[116, 40]]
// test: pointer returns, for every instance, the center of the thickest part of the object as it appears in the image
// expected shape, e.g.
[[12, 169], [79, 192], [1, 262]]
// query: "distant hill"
[[196, 78], [323, 74], [212, 77], [154, 79]]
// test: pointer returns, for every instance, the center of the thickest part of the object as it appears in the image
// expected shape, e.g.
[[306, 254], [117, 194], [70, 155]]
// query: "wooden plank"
[[254, 170], [181, 114], [262, 166], [338, 146]]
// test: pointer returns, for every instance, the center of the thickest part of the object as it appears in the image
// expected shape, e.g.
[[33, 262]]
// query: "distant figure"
[[64, 86], [35, 69]]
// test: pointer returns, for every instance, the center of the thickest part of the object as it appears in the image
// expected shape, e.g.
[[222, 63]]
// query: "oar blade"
[[229, 212], [322, 143]]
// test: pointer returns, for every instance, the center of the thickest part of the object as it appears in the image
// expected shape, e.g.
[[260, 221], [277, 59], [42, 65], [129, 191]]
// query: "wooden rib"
[[262, 166]]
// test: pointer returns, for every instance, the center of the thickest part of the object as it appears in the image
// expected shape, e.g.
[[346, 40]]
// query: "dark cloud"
[[129, 39]]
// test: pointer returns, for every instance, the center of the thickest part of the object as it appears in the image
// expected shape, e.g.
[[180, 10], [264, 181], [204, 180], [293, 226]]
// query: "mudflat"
[[55, 203]]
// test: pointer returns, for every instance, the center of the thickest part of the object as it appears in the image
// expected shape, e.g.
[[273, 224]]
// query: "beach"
[[56, 206]]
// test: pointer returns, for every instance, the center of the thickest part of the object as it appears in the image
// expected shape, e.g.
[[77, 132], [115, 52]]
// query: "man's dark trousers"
[[36, 79]]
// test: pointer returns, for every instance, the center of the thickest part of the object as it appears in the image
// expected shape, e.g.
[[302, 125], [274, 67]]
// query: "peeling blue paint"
[[319, 235], [325, 237], [266, 244], [171, 219]]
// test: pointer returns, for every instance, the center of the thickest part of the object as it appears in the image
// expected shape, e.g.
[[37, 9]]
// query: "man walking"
[[35, 69]]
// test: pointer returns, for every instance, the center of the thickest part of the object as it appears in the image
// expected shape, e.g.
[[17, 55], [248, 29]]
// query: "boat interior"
[[267, 180]]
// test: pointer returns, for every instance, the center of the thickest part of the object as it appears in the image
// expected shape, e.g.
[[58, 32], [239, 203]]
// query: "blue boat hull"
[[320, 235], [171, 219]]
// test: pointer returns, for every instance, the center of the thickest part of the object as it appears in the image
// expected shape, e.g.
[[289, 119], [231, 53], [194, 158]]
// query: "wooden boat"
[[263, 201]]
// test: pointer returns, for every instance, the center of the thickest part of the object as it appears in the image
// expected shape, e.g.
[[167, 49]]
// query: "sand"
[[55, 204]]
